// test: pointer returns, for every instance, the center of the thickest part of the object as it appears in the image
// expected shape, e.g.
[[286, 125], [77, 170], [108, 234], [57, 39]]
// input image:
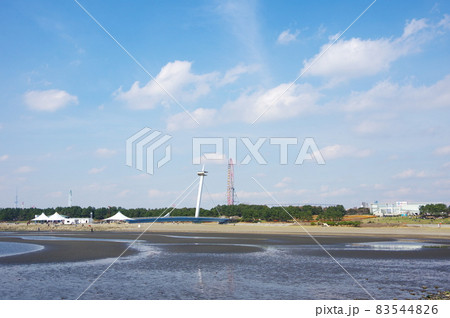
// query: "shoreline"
[[239, 228]]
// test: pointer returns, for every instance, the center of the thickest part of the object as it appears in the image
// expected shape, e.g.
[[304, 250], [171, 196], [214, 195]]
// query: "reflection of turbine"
[[200, 279], [230, 279]]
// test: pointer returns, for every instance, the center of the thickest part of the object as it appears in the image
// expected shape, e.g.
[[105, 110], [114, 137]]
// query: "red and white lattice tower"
[[230, 187]]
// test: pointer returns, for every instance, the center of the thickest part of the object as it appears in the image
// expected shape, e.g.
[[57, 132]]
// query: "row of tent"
[[58, 217]]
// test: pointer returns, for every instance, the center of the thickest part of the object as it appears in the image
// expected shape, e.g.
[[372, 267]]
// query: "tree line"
[[434, 210], [242, 212]]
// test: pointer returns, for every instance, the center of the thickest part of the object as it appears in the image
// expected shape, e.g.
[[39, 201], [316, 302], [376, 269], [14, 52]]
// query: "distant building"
[[402, 208], [77, 221]]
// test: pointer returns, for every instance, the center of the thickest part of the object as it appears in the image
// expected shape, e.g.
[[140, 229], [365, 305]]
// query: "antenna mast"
[[230, 188], [70, 199], [16, 203]]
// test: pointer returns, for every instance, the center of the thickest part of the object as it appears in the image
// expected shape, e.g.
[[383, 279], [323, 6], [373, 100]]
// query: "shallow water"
[[274, 272], [9, 248], [394, 246]]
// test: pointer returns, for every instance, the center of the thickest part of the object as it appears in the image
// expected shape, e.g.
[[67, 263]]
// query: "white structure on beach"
[[40, 218], [77, 220], [401, 208], [58, 218], [118, 217]]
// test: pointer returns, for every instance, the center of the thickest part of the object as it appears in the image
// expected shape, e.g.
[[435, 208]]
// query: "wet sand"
[[214, 238], [65, 251]]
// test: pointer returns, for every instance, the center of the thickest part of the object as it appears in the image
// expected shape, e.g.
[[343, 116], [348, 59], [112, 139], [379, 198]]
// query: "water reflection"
[[393, 246]]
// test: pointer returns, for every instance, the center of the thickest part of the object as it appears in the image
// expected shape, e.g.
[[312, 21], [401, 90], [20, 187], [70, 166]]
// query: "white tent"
[[56, 217], [41, 217], [118, 217]]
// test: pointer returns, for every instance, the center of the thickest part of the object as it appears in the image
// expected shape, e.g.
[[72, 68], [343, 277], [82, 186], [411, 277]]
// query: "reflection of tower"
[[200, 280], [202, 174], [70, 199], [230, 187]]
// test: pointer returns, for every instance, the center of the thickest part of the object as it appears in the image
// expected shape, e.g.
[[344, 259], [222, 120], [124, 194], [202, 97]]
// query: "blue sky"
[[376, 102]]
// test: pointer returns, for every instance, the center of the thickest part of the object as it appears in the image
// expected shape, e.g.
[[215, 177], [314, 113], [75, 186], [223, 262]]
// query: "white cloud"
[[337, 193], [444, 183], [414, 26], [276, 103], [243, 22], [252, 195], [204, 116], [213, 158], [100, 187], [272, 104], [49, 100], [233, 74], [104, 152], [286, 36], [343, 151], [353, 58], [24, 169], [295, 192], [177, 79], [356, 57], [56, 194], [445, 22], [123, 193], [399, 194], [410, 173], [375, 186], [284, 182], [174, 78], [155, 193], [96, 170], [442, 151], [370, 127], [392, 96], [4, 158]]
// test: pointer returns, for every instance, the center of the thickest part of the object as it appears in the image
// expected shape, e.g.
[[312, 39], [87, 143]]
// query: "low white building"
[[77, 221], [401, 208]]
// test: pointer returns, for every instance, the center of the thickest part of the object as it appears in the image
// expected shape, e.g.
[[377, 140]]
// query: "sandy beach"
[[413, 231]]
